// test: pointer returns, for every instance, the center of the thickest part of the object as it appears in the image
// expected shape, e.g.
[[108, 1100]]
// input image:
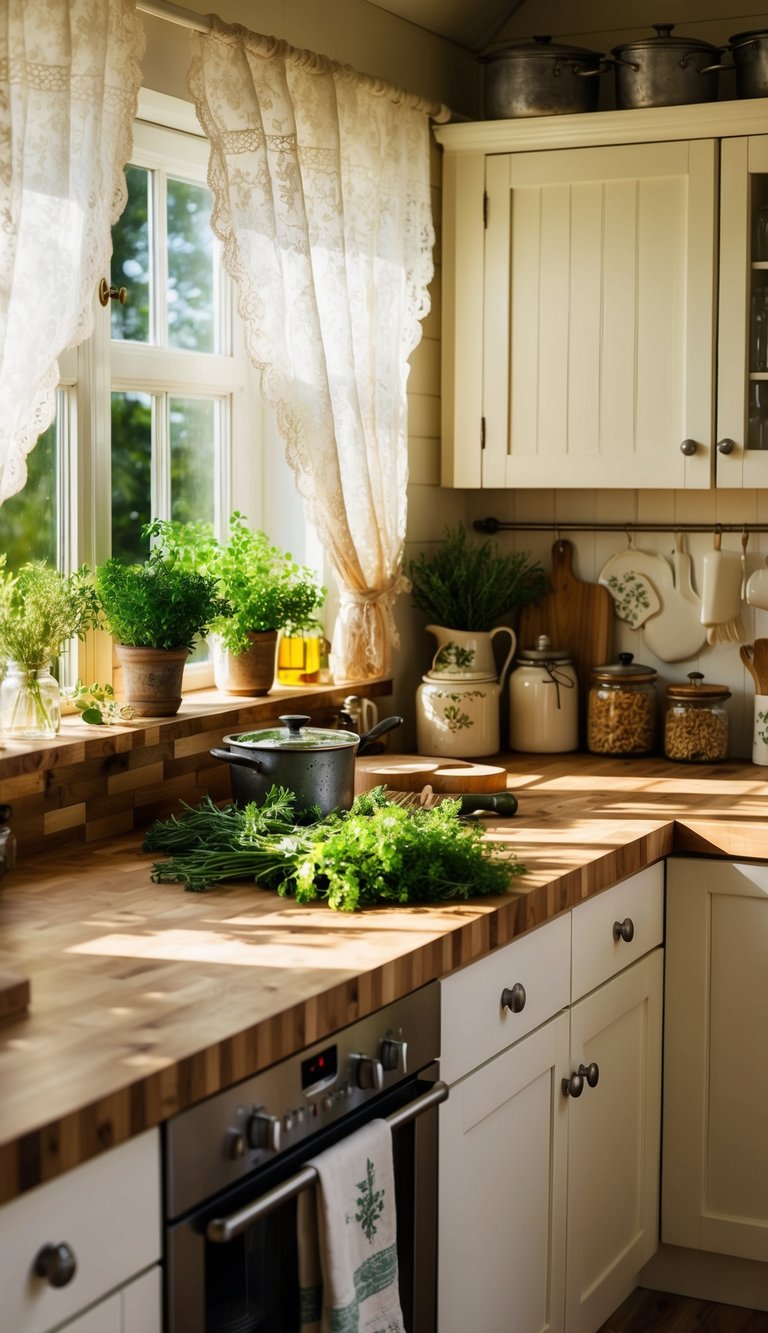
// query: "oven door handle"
[[223, 1229]]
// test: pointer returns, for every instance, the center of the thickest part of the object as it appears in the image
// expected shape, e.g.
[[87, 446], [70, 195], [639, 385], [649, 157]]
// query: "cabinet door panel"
[[502, 1191], [715, 1167], [613, 1143], [599, 283]]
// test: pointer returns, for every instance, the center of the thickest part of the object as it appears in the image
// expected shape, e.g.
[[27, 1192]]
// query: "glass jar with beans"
[[696, 721], [621, 712]]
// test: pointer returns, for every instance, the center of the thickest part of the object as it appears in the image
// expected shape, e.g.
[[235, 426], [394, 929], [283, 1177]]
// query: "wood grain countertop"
[[146, 998]]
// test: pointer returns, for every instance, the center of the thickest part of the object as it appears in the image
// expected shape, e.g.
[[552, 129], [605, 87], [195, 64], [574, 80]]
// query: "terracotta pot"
[[152, 678], [251, 673]]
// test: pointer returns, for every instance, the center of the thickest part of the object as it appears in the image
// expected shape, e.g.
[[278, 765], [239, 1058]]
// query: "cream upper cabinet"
[[582, 306]]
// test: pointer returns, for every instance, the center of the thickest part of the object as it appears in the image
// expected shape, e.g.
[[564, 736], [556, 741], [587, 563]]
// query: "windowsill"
[[201, 712]]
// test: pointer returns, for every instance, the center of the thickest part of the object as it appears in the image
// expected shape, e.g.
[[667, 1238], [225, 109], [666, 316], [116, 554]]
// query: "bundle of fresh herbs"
[[376, 853]]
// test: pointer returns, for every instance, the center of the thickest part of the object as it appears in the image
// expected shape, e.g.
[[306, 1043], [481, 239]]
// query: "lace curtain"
[[69, 80], [320, 178]]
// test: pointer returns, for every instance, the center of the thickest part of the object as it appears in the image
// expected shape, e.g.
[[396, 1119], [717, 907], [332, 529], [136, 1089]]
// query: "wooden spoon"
[[746, 653], [760, 664]]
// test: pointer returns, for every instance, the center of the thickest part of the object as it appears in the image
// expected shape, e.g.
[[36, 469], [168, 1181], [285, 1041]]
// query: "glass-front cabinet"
[[742, 389]]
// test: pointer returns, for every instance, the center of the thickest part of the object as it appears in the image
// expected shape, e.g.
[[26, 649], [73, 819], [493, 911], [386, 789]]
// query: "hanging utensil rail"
[[492, 525]]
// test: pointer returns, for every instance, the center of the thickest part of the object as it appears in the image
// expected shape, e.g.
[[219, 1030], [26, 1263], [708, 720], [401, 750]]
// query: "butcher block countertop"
[[146, 998]]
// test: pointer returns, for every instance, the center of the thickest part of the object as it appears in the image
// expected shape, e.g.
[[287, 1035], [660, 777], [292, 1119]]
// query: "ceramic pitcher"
[[460, 652]]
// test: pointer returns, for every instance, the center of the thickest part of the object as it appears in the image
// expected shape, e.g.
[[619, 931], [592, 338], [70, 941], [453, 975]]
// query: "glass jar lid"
[[543, 652], [625, 670], [698, 690], [295, 735]]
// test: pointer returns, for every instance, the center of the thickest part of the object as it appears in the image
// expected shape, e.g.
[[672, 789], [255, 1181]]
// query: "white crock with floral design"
[[458, 716], [469, 652]]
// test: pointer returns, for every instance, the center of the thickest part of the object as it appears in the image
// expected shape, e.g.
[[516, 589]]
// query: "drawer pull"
[[624, 930], [574, 1086], [514, 999], [56, 1263]]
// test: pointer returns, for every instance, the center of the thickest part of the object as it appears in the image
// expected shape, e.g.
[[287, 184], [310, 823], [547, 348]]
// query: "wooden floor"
[[659, 1312]]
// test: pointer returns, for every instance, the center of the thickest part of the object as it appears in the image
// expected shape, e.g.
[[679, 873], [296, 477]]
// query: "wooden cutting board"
[[576, 615], [411, 772]]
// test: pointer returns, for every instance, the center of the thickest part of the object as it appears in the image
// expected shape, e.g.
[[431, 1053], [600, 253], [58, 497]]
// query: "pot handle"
[[630, 64], [386, 724], [603, 68], [239, 760]]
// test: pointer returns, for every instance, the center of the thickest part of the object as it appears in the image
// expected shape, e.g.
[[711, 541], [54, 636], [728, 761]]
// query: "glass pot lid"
[[662, 38], [295, 735]]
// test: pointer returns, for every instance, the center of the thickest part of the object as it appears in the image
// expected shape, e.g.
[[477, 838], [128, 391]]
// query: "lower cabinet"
[[715, 1161], [82, 1253], [549, 1150]]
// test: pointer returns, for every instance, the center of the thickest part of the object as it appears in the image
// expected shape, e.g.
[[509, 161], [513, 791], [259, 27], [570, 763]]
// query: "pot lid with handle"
[[662, 39], [540, 47], [295, 735]]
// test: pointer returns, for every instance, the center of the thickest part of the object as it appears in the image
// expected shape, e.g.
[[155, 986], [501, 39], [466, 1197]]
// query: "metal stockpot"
[[750, 59], [540, 78], [665, 70], [317, 765]]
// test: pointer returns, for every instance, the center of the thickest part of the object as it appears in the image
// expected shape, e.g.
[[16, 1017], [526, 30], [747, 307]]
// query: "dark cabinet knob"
[[726, 446], [56, 1263], [688, 447], [624, 930], [514, 999], [573, 1086]]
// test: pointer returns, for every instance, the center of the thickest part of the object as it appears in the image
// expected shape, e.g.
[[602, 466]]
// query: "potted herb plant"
[[154, 612], [266, 592], [465, 588], [41, 609]]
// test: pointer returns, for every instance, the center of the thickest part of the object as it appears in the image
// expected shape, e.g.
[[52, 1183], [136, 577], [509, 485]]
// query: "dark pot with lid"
[[750, 60], [540, 78], [663, 70], [315, 763]]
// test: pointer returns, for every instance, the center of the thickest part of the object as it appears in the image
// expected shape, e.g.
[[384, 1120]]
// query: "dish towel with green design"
[[347, 1238]]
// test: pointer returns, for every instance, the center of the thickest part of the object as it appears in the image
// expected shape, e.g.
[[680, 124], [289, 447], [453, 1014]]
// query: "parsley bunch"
[[374, 854]]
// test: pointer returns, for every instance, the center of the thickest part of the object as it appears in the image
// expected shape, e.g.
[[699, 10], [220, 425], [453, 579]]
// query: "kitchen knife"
[[488, 802]]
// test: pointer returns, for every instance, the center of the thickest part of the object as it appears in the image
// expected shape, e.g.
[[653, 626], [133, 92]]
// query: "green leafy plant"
[[376, 853], [469, 585], [160, 603], [264, 587], [41, 609], [97, 704]]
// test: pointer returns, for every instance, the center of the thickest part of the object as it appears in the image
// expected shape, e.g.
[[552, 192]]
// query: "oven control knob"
[[264, 1131], [367, 1072], [394, 1052]]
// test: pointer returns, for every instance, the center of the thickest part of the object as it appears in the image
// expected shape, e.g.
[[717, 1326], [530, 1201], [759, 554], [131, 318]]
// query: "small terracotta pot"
[[250, 673], [152, 678]]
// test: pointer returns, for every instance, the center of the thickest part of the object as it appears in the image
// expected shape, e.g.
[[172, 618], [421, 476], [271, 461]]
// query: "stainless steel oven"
[[235, 1164]]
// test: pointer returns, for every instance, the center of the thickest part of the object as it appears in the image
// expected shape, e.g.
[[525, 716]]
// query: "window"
[[153, 408]]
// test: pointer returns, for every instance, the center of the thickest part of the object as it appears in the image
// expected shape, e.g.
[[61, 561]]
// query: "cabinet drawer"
[[107, 1211], [599, 949], [475, 1023]]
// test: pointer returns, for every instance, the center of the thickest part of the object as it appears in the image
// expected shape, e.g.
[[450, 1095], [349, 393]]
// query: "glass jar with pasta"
[[696, 721], [621, 711]]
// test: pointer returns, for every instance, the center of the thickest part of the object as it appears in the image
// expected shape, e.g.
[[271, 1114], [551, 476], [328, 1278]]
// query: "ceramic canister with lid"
[[457, 714], [621, 711], [696, 721], [543, 700]]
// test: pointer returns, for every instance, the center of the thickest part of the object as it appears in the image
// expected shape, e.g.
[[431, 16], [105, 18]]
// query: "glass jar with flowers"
[[41, 609]]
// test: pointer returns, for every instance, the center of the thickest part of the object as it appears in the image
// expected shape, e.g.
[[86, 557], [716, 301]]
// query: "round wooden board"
[[411, 772]]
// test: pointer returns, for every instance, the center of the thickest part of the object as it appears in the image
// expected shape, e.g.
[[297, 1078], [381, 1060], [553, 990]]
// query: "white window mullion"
[[159, 249], [161, 457]]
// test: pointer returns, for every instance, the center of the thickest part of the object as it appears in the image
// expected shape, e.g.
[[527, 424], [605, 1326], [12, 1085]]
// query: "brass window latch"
[[107, 293]]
